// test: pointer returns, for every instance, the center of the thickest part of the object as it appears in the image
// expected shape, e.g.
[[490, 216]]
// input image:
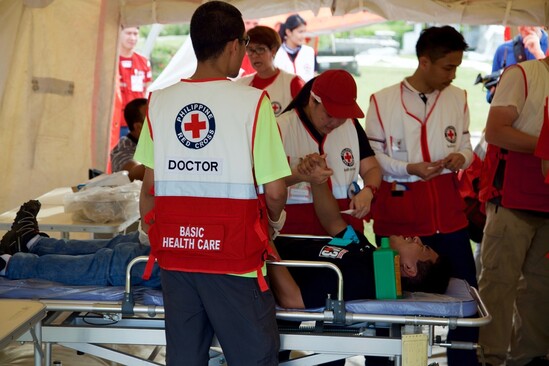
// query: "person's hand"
[[532, 43], [310, 162], [425, 170], [361, 203], [454, 161], [314, 169]]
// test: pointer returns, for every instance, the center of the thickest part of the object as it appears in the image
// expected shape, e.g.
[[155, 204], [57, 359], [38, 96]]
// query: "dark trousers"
[[199, 305]]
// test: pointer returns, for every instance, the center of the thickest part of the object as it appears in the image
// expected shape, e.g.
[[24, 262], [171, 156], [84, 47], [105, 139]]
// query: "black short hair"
[[213, 24], [431, 277], [291, 23], [132, 112], [437, 42]]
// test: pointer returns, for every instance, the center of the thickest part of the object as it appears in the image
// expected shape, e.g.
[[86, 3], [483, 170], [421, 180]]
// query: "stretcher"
[[95, 320]]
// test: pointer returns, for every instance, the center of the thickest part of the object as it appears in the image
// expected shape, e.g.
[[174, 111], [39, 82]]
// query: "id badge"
[[137, 83], [300, 192], [398, 147]]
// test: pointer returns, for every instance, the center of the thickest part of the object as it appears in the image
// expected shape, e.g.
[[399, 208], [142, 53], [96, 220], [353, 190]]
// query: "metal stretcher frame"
[[69, 324]]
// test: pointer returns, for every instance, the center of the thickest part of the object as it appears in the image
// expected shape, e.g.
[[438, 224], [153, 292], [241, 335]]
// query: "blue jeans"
[[100, 262]]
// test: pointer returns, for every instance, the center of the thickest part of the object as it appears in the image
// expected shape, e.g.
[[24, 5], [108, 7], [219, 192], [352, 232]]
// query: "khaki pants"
[[514, 285]]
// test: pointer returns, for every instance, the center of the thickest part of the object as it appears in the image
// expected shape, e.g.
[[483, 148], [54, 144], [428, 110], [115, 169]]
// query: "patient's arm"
[[285, 289], [324, 202], [327, 209]]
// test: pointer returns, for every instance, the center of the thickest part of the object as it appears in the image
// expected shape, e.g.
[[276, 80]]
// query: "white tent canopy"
[[58, 63]]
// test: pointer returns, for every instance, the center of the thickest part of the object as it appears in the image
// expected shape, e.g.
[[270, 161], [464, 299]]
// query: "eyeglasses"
[[258, 51], [245, 40]]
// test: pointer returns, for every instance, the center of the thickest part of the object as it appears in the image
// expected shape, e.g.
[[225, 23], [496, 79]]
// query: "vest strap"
[[149, 267], [263, 286]]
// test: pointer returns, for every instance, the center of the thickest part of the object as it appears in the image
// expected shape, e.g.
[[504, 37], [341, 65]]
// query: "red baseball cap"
[[336, 90]]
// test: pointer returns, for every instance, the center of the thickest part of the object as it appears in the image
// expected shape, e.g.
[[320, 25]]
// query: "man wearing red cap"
[[419, 130], [322, 121]]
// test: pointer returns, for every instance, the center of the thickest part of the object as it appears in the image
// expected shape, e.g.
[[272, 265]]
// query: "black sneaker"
[[23, 229]]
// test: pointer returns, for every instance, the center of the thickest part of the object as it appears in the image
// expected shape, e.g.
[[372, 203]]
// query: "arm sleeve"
[[122, 154], [377, 138], [364, 145], [511, 89], [465, 148], [270, 160], [296, 85], [144, 152]]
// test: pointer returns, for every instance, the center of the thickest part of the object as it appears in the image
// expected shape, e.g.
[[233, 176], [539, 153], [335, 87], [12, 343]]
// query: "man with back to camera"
[[515, 268], [208, 227]]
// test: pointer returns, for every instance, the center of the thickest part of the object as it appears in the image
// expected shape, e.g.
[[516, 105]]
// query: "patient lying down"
[[27, 253], [422, 269]]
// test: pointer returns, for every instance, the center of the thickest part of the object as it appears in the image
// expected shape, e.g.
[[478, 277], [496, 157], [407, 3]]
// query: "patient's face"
[[411, 249]]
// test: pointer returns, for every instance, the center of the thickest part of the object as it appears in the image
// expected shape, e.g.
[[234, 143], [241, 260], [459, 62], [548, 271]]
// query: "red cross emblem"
[[195, 126], [347, 157], [450, 134], [277, 108]]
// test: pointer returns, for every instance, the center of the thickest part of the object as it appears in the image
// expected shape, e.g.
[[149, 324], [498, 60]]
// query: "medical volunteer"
[[322, 120], [419, 129], [210, 146]]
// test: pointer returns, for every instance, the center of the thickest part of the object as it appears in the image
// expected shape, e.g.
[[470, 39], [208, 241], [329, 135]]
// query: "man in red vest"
[[514, 281]]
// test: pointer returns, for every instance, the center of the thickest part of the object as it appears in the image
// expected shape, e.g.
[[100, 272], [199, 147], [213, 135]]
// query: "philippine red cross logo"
[[347, 157], [277, 108], [450, 134], [195, 126]]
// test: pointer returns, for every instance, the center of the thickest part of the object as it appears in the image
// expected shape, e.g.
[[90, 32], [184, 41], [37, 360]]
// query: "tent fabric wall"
[[48, 135], [505, 12], [138, 12]]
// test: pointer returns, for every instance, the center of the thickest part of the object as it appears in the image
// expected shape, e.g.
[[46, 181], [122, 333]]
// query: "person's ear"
[[287, 33], [424, 61], [408, 270]]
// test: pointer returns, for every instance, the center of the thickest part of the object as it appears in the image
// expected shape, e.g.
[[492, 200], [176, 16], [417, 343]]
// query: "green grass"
[[374, 78]]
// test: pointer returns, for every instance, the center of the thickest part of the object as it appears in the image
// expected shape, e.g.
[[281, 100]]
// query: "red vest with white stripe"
[[409, 205], [515, 177], [343, 157], [208, 216]]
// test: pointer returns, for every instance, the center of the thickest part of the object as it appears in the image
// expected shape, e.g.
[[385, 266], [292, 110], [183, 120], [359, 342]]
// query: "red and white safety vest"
[[303, 65], [343, 157], [280, 92], [516, 177], [409, 205], [208, 216]]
